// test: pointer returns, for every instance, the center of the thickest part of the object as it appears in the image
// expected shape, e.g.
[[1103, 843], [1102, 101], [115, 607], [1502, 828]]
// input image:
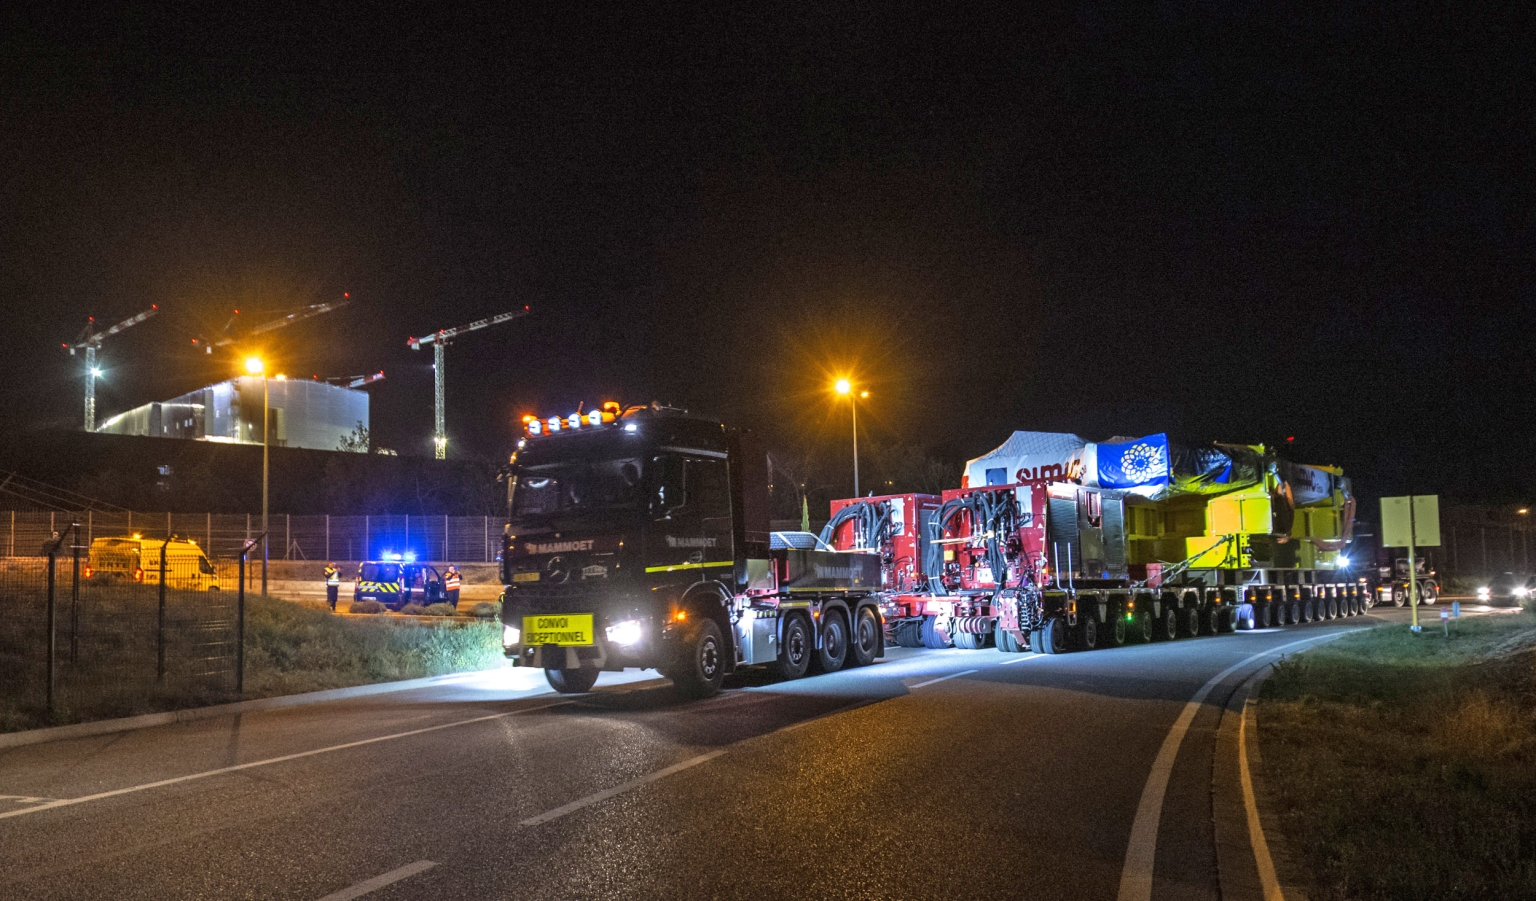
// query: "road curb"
[[171, 717]]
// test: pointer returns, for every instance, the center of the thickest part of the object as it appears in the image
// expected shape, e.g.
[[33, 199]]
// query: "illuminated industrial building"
[[307, 414]]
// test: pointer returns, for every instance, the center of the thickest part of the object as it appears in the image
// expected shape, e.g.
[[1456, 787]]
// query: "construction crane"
[[90, 341], [440, 340], [353, 381], [308, 312]]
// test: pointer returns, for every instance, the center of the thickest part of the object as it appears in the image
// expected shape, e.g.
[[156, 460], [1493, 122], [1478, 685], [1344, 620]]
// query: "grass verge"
[[290, 648], [1404, 766]]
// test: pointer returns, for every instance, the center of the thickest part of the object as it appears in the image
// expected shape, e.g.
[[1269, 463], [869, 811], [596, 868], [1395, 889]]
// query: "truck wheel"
[[571, 681], [1005, 641], [1191, 624], [1399, 596], [1144, 626], [795, 651], [1263, 614], [967, 641], [701, 661], [1225, 619], [1429, 592], [1053, 636], [1113, 634], [865, 643], [1167, 625], [1087, 633], [834, 643], [906, 635], [932, 637]]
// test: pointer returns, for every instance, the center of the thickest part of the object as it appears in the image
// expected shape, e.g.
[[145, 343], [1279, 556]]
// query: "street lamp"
[[255, 366], [845, 388]]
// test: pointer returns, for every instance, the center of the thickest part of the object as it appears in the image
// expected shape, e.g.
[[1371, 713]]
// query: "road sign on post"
[[1413, 522]]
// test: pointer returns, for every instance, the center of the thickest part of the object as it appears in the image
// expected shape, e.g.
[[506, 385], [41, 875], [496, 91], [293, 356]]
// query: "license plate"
[[566, 629], [525, 577]]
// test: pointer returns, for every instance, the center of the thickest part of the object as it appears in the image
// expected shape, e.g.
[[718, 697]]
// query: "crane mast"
[[89, 341], [439, 340]]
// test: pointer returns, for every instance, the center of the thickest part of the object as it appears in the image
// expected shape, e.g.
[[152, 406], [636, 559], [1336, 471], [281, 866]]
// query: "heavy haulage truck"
[[1054, 543], [639, 538]]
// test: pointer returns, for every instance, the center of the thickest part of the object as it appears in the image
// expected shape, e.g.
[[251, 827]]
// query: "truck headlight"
[[1521, 591], [510, 636], [1483, 592], [627, 632]]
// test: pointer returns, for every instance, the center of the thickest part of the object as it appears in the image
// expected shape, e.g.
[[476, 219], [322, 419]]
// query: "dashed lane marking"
[[379, 881], [942, 678], [605, 794], [69, 802]]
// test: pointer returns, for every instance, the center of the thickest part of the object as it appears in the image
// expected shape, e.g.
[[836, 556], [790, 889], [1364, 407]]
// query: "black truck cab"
[[640, 539]]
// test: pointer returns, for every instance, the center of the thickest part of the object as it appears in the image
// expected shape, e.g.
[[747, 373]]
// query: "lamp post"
[[845, 387], [255, 366]]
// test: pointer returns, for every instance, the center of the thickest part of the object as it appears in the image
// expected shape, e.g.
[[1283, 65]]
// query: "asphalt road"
[[932, 774]]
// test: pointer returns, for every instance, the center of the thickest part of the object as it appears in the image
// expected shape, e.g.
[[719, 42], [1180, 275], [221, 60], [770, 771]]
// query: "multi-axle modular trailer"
[[1054, 543]]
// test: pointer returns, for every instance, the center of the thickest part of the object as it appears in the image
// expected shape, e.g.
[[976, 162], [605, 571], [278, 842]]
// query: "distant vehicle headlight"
[[627, 632], [1483, 592], [510, 636]]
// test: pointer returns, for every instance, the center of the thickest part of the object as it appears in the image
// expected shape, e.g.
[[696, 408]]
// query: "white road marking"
[[605, 794], [1136, 875], [1269, 881], [379, 881], [1022, 659], [68, 802], [942, 678]]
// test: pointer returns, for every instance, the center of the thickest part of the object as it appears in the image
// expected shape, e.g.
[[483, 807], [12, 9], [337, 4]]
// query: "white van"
[[138, 559]]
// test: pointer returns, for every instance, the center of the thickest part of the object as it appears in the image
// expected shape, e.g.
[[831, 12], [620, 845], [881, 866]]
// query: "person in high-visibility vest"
[[332, 583], [451, 581]]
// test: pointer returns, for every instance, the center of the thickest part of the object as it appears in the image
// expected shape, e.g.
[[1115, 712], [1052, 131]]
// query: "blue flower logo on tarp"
[[1136, 463], [1143, 462]]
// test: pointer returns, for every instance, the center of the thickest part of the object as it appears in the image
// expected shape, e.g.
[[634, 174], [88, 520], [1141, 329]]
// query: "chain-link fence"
[[459, 539], [117, 626]]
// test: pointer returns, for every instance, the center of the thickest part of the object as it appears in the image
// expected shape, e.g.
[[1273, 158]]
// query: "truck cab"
[[640, 539]]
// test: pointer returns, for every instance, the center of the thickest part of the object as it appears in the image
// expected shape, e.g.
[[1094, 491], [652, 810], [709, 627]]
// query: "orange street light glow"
[[843, 386], [254, 365]]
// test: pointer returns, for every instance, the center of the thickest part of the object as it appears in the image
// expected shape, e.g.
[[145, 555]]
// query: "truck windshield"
[[576, 488]]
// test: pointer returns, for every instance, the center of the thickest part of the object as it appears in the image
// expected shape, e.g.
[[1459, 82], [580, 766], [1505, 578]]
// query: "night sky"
[[1221, 220]]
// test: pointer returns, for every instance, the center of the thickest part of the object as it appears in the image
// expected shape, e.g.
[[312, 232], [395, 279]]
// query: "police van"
[[397, 582]]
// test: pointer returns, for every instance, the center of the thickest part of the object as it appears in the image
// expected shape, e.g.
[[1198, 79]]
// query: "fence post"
[[327, 536], [287, 536], [240, 624], [12, 544], [208, 534], [160, 628], [365, 536], [487, 538], [74, 600], [88, 525], [445, 537], [52, 633], [167, 524], [407, 530], [247, 527]]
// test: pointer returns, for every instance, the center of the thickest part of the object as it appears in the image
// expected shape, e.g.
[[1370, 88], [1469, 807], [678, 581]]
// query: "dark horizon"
[[1227, 224]]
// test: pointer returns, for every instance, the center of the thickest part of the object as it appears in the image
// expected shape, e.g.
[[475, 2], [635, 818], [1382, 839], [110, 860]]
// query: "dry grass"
[[1405, 766]]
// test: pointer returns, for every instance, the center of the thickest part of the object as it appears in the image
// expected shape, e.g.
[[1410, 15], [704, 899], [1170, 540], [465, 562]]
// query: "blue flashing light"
[[410, 556], [390, 555]]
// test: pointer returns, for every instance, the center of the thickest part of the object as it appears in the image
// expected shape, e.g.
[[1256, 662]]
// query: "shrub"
[[486, 610], [367, 607], [412, 610], [441, 610]]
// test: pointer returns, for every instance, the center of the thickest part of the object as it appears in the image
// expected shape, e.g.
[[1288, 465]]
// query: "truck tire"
[[1005, 641], [700, 667], [967, 641], [833, 650], [1189, 625], [932, 637], [1113, 634], [1263, 614], [909, 634], [571, 681], [1053, 636], [794, 650], [1225, 619], [1087, 633], [1167, 626], [1144, 626], [864, 645], [1429, 592]]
